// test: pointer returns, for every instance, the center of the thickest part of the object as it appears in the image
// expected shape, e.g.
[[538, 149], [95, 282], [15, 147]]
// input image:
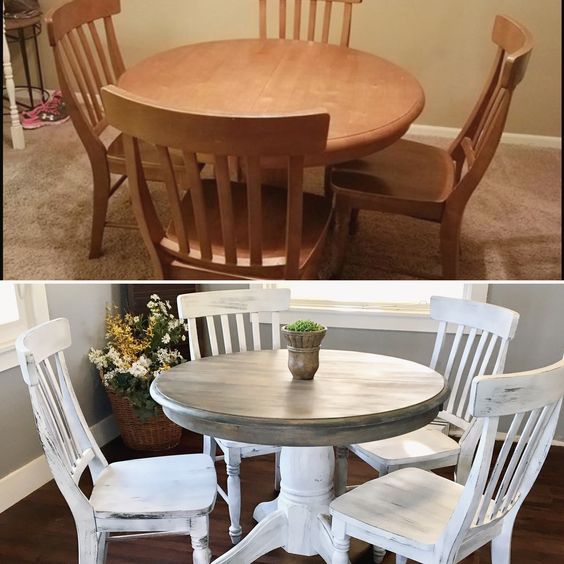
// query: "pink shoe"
[[52, 112]]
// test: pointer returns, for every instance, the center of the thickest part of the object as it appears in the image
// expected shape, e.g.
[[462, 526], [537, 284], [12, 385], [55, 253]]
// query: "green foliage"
[[304, 326]]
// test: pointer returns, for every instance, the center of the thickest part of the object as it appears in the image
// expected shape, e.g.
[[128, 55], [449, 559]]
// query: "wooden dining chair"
[[479, 344], [429, 183], [87, 57], [244, 308], [220, 228], [430, 519], [314, 31], [165, 494]]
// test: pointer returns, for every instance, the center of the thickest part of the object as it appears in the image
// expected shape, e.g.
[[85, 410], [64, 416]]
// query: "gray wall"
[[84, 306]]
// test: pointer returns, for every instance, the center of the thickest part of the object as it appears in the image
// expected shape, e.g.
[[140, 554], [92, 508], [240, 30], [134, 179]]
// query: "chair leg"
[[327, 183], [233, 463], [199, 534], [341, 542], [450, 248], [210, 446], [277, 471], [501, 545], [102, 188], [87, 545], [353, 223], [339, 238], [378, 554], [102, 548], [341, 469], [400, 559]]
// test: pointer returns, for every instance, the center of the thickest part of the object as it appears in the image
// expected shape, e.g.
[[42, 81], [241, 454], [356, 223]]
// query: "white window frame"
[[378, 319], [33, 309]]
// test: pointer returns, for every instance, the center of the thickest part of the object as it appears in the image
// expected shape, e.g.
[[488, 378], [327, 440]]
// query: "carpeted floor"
[[512, 225]]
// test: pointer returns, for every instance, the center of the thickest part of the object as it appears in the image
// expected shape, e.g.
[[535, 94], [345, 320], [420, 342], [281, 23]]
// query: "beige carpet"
[[512, 226]]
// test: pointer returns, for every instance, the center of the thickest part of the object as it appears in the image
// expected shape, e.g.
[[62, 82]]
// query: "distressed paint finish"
[[171, 495]]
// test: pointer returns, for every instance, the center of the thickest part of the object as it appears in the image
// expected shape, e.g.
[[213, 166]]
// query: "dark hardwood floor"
[[40, 528]]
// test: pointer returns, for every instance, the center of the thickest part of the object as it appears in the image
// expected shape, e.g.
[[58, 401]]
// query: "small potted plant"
[[304, 340], [137, 349]]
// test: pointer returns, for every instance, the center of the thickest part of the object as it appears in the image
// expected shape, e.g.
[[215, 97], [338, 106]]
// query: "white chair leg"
[[233, 463], [501, 545], [210, 446], [277, 471], [341, 469], [400, 559], [341, 542], [102, 548], [199, 535], [378, 554], [87, 545]]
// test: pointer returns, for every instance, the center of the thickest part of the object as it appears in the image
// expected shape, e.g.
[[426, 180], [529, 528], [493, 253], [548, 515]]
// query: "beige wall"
[[444, 43]]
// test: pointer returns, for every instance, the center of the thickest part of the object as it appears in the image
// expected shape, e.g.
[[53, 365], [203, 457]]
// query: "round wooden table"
[[372, 102], [251, 397]]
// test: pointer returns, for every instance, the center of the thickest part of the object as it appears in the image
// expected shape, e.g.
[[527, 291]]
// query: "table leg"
[[295, 520]]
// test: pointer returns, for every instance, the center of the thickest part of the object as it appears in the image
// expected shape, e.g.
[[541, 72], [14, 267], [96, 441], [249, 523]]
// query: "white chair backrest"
[[533, 399], [237, 304], [489, 327], [66, 438]]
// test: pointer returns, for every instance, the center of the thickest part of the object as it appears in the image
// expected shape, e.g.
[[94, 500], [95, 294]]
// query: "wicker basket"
[[156, 433]]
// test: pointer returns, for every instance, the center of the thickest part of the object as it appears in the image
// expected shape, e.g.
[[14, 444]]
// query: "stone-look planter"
[[303, 352]]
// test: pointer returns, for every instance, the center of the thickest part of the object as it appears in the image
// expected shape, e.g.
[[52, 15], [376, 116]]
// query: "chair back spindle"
[[479, 346], [299, 19], [233, 311]]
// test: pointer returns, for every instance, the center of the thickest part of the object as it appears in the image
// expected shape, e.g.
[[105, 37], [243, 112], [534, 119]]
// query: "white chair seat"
[[423, 444], [411, 506], [165, 485]]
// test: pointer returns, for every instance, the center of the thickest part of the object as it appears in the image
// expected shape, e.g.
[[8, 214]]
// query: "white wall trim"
[[25, 480], [509, 138]]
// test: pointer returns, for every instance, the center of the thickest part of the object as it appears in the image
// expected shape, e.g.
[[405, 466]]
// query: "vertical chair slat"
[[226, 209], [312, 20], [254, 205], [501, 356], [262, 19], [193, 339], [346, 29], [282, 20], [491, 119], [211, 334], [174, 199], [275, 321], [487, 111], [439, 341], [226, 333], [462, 365], [297, 18], [453, 351], [256, 331], [196, 193], [294, 217], [101, 53], [326, 21], [115, 55], [241, 332], [89, 56]]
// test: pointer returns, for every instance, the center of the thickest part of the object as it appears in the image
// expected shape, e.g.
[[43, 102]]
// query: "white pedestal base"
[[294, 521]]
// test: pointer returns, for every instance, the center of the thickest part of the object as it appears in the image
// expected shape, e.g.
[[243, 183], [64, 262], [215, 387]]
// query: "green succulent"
[[304, 326]]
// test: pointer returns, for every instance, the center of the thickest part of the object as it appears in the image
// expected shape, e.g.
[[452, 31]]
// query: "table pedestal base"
[[296, 520]]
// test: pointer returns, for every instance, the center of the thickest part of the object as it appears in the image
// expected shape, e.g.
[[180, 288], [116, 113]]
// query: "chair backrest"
[[237, 304], [289, 138], [475, 146], [533, 399], [86, 60], [66, 438], [489, 330], [311, 19]]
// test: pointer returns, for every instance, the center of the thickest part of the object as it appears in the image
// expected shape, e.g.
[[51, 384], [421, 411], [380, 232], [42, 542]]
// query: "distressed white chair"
[[430, 519], [237, 304], [161, 495], [489, 329]]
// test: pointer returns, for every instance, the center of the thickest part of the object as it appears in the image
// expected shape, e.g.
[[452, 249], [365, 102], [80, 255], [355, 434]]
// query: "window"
[[21, 307], [396, 306]]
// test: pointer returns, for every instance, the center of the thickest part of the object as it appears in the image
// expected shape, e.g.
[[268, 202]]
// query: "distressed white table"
[[251, 397]]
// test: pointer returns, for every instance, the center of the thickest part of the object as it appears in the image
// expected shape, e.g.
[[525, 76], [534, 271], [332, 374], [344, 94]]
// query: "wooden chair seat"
[[407, 176], [424, 445], [316, 217], [410, 505], [171, 486]]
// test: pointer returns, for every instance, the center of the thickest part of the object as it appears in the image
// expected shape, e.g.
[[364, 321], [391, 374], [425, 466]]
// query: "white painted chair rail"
[[161, 495], [430, 519], [238, 312]]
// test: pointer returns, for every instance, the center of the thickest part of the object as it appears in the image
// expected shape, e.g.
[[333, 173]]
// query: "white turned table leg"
[[16, 128]]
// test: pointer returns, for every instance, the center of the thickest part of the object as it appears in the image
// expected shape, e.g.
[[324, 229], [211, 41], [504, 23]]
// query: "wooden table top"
[[252, 397], [372, 102]]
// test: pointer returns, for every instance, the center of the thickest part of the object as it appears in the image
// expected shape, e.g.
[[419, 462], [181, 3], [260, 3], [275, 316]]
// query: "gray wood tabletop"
[[251, 397]]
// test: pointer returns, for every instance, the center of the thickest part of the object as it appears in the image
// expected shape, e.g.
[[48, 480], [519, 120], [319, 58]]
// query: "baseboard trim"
[[25, 480], [508, 138]]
